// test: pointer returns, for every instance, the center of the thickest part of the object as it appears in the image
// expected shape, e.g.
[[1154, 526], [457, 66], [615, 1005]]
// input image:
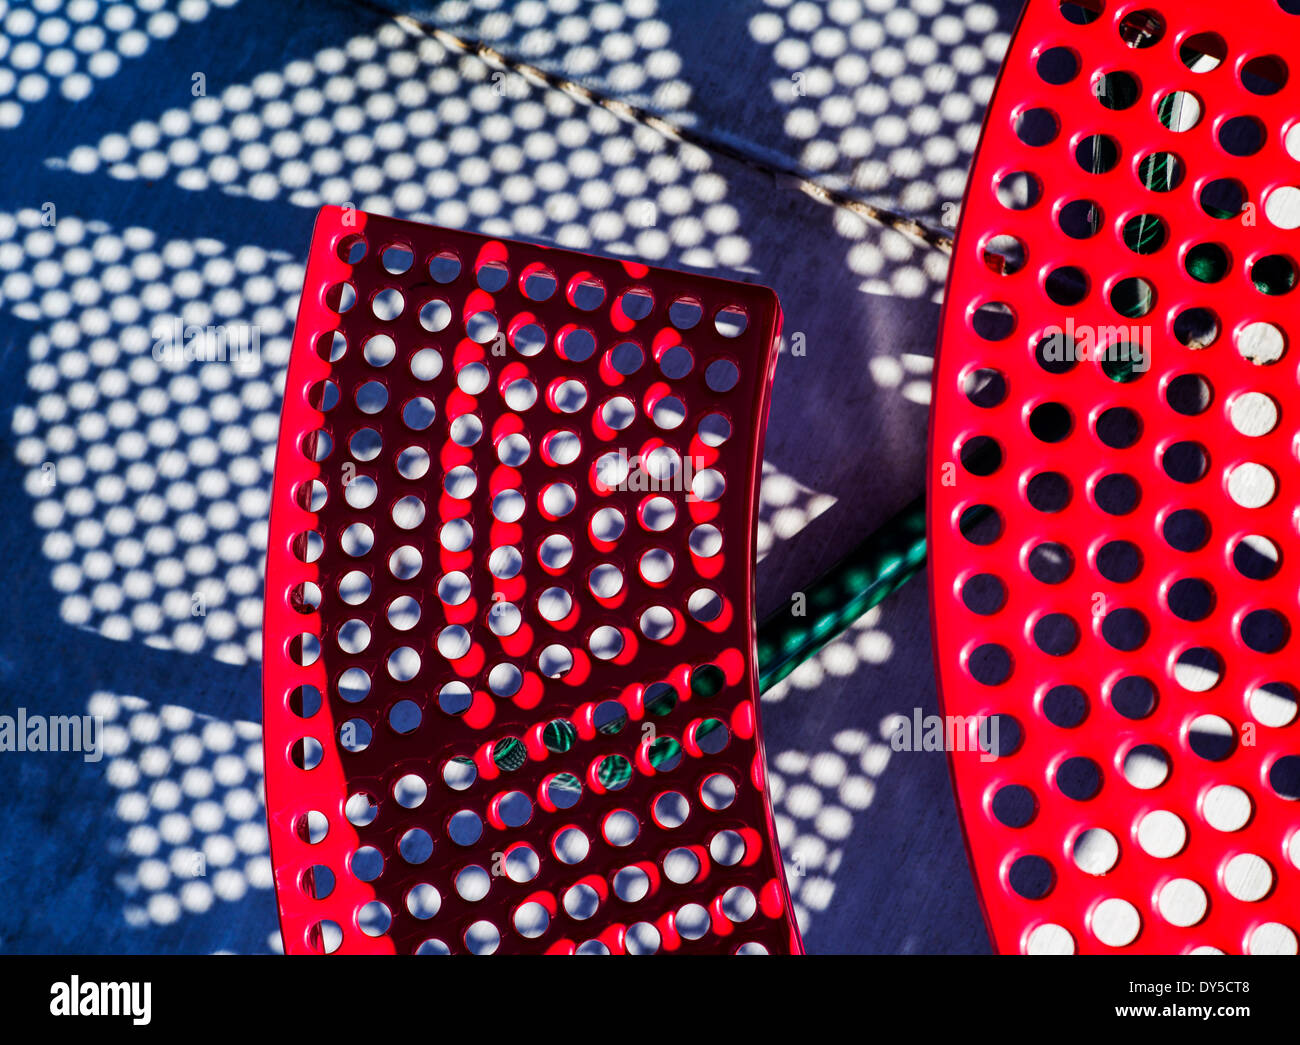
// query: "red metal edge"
[[288, 849], [762, 413]]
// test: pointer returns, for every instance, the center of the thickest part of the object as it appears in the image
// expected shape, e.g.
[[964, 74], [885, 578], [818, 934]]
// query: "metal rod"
[[876, 568]]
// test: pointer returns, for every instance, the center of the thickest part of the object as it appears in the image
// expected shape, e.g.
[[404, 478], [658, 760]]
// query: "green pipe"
[[876, 568]]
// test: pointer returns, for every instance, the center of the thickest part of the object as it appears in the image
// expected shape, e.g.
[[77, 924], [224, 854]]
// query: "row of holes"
[[1177, 111], [658, 699], [1248, 484], [1144, 766], [1224, 807], [1125, 630], [1135, 297], [1201, 52], [705, 606], [1117, 923], [1252, 414], [1124, 359], [563, 395], [656, 621], [1121, 562], [710, 736], [554, 552], [1159, 171], [514, 808], [531, 921], [520, 863], [659, 465], [1144, 234], [557, 791], [555, 501], [579, 901], [528, 338], [1161, 834], [509, 753], [520, 394], [584, 291], [1133, 697], [554, 605]]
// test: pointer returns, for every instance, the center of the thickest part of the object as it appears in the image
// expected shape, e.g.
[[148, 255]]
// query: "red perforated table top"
[[510, 698], [1113, 486]]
